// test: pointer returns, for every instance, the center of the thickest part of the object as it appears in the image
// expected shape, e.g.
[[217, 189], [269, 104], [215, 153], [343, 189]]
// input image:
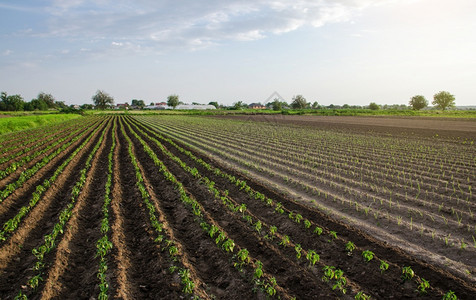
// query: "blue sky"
[[333, 52]]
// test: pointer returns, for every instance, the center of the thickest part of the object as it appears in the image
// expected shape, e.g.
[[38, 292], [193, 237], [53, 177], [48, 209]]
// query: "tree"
[[443, 100], [315, 105], [61, 105], [239, 105], [36, 104], [299, 102], [47, 98], [277, 105], [86, 106], [11, 103], [173, 101], [374, 106], [102, 100], [418, 102], [138, 103], [214, 103]]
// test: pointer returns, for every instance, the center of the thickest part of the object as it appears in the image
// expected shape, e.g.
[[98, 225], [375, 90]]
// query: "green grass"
[[17, 123]]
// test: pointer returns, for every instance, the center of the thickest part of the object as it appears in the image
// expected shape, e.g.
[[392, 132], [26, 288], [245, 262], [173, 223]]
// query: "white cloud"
[[167, 24]]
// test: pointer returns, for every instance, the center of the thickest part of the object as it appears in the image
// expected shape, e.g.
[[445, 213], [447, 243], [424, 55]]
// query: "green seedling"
[[450, 296], [383, 266], [423, 285], [318, 230], [368, 255], [361, 296], [349, 247], [407, 273]]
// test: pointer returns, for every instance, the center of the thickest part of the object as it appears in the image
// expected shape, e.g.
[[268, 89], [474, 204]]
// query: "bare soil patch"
[[413, 125]]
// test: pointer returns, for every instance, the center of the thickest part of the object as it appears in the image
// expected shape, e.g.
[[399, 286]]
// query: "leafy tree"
[[86, 106], [102, 100], [299, 102], [418, 102], [374, 106], [315, 105], [443, 100], [11, 103], [47, 98], [276, 104], [36, 104], [239, 105], [173, 100], [61, 105], [139, 103], [214, 103]]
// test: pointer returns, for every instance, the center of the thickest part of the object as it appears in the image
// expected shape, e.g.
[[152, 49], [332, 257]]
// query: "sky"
[[330, 51]]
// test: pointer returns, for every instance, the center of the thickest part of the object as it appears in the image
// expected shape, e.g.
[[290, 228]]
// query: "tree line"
[[442, 100], [102, 100], [43, 101]]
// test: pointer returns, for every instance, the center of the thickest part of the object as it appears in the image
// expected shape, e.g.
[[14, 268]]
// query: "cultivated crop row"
[[153, 207], [344, 189]]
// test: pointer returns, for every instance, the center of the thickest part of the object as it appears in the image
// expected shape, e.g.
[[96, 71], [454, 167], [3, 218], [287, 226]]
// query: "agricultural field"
[[239, 207]]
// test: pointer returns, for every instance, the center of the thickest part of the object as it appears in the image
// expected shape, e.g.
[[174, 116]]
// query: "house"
[[164, 105], [195, 106], [256, 106], [122, 106]]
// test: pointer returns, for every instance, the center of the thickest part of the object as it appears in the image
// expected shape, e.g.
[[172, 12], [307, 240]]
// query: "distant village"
[[194, 106], [163, 105]]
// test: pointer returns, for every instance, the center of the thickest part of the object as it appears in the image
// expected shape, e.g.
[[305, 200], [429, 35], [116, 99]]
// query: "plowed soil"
[[138, 268]]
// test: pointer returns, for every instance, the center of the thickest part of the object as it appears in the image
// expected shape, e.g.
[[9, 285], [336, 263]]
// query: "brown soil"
[[35, 146], [421, 126], [396, 231], [139, 261], [139, 269], [212, 266], [72, 264], [380, 286], [21, 196], [16, 258]]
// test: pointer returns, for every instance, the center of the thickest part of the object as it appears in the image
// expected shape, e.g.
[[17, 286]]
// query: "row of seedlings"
[[51, 239], [12, 224], [397, 218], [242, 259], [28, 173], [407, 272], [164, 238]]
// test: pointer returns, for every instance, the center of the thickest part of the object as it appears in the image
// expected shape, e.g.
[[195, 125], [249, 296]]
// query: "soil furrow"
[[146, 272], [288, 273], [16, 174], [75, 263], [19, 152], [443, 279], [16, 258], [120, 262], [212, 266], [21, 196], [454, 254]]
